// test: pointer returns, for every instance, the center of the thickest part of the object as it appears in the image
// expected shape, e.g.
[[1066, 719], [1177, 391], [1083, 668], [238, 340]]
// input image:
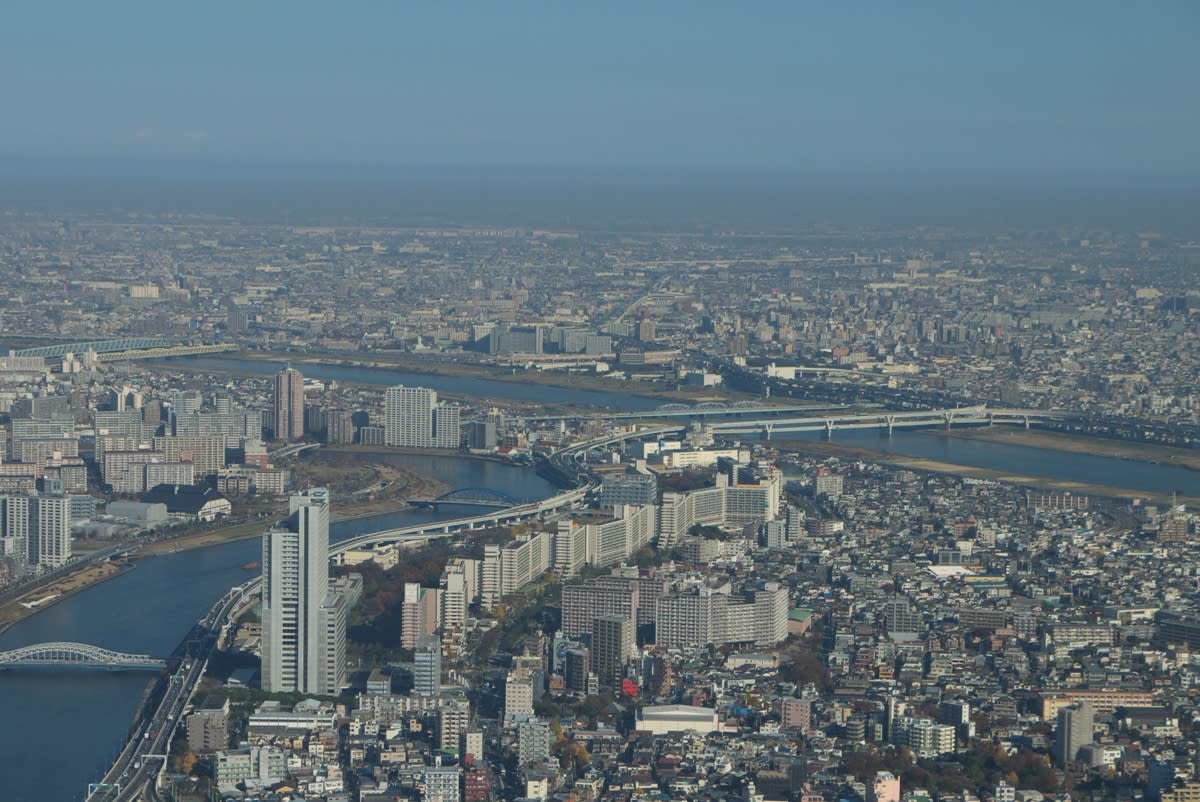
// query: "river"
[[64, 729], [1022, 460], [463, 386]]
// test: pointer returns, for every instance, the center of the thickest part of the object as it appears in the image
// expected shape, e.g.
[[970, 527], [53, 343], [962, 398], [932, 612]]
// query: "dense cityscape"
[[600, 402], [713, 604]]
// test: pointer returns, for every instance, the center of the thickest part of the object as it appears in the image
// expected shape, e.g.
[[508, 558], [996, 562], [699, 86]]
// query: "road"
[[134, 774]]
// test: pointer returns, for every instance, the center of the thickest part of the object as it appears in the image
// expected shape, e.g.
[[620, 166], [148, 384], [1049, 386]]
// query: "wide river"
[[482, 389], [64, 729]]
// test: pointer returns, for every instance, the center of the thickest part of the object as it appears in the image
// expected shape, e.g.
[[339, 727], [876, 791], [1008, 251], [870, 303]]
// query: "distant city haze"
[[1084, 86]]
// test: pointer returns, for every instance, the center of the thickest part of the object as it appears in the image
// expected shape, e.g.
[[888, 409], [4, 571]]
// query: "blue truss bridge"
[[483, 497], [62, 656]]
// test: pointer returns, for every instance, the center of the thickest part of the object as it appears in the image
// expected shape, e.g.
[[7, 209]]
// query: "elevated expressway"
[[886, 422], [135, 773]]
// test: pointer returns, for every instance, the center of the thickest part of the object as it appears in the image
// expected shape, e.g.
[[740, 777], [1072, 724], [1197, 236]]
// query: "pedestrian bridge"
[[61, 656]]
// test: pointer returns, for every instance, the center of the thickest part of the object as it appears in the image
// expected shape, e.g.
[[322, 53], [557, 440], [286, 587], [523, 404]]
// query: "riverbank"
[[499, 373], [855, 453], [403, 484], [61, 588], [456, 453], [254, 529], [1083, 444]]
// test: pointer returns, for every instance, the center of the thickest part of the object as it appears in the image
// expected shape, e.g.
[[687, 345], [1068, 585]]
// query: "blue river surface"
[[64, 729], [481, 389], [1022, 460]]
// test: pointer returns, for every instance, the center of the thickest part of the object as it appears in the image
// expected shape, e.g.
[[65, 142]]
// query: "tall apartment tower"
[[304, 624], [289, 404], [419, 613], [1075, 725], [53, 531], [408, 416], [612, 646], [413, 418]]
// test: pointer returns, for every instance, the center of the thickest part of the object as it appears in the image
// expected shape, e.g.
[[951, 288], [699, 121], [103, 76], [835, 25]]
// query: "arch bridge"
[[469, 497], [62, 655]]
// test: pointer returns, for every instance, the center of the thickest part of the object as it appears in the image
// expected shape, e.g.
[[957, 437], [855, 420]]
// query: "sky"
[[755, 85]]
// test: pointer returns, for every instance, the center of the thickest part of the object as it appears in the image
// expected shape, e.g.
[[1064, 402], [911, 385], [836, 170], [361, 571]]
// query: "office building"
[[427, 666], [481, 435], [289, 404], [303, 621]]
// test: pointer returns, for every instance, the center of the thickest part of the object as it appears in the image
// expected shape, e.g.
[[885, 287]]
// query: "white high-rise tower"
[[413, 418], [408, 416], [304, 625]]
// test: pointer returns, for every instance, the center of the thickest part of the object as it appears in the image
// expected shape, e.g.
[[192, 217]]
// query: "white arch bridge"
[[62, 656]]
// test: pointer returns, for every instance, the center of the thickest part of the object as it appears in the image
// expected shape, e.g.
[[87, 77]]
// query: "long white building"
[[740, 503], [603, 542], [694, 614]]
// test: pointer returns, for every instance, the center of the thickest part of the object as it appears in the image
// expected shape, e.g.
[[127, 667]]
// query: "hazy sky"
[[961, 84]]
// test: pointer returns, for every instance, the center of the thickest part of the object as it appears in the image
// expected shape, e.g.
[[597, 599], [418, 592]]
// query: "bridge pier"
[[829, 428], [1025, 418], [948, 417], [891, 424], [766, 431]]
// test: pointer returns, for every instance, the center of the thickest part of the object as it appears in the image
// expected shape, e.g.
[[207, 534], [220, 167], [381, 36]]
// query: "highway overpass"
[[886, 422]]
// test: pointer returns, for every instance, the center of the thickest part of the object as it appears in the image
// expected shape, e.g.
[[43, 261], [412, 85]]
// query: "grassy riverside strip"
[[1008, 477], [417, 486], [468, 370], [92, 574], [1083, 444], [65, 586]]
